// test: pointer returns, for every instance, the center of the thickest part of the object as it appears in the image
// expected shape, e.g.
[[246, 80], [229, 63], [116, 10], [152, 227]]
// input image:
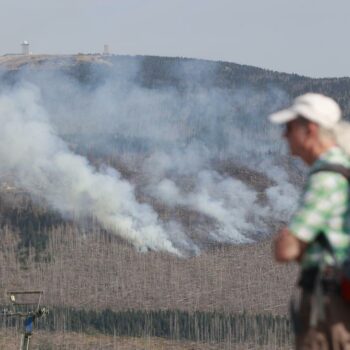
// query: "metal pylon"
[[27, 310]]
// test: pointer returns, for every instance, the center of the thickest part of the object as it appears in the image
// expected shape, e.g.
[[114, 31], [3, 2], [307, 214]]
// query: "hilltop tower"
[[106, 50], [25, 48]]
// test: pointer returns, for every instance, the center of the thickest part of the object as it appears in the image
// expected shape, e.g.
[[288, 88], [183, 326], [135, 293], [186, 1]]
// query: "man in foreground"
[[318, 235]]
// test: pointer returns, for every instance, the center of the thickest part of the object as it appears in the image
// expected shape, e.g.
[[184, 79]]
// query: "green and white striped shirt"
[[324, 207]]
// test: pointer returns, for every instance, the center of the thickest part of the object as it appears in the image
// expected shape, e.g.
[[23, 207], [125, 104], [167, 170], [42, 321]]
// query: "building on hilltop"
[[106, 50], [25, 48]]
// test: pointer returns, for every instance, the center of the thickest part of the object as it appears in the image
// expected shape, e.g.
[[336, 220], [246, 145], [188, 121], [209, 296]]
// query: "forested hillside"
[[149, 186]]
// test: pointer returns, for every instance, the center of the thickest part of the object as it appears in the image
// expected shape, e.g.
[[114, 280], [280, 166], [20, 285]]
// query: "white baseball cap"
[[317, 108]]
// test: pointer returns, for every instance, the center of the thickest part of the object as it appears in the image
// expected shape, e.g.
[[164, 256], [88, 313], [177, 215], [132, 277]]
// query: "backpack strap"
[[344, 171], [321, 238], [336, 168]]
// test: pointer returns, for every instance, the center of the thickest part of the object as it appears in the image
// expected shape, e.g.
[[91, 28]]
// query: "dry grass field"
[[77, 341]]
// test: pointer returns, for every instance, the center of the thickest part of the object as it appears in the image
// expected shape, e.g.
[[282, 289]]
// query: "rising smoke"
[[177, 133]]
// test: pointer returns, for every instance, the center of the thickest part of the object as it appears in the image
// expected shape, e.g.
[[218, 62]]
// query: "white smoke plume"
[[230, 202], [43, 165], [178, 135], [224, 199]]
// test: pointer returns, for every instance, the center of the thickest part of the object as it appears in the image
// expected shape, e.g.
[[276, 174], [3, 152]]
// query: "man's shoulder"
[[330, 171], [326, 180], [333, 157]]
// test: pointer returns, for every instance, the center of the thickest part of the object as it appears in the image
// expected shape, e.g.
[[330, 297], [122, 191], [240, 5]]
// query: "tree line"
[[198, 326]]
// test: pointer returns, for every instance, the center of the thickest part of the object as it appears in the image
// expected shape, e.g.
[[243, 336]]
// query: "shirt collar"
[[327, 157]]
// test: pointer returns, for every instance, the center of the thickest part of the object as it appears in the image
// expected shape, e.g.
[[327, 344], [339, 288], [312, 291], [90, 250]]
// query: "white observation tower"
[[25, 48], [106, 50]]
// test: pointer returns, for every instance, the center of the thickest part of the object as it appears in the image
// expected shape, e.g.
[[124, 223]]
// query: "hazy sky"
[[309, 37]]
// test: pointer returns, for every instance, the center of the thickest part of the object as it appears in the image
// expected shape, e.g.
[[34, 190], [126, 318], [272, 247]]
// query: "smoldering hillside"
[[178, 144], [172, 156]]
